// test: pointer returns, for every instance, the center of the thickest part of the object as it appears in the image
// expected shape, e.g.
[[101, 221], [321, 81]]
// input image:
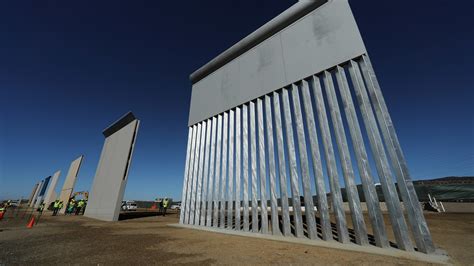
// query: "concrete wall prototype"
[[35, 196], [42, 191], [70, 182], [32, 195], [50, 195], [111, 176]]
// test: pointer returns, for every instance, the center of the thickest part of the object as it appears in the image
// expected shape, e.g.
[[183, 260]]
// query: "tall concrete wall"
[[70, 182], [42, 191], [111, 176], [35, 196], [32, 195], [50, 195]]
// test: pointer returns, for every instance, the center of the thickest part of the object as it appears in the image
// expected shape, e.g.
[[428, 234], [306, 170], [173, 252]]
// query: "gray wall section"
[[38, 188], [33, 192], [111, 176], [50, 195], [322, 39], [69, 182]]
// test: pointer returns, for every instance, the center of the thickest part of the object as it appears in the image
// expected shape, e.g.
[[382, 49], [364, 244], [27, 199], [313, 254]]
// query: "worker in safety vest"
[[79, 207], [41, 208], [71, 206], [166, 203], [55, 207], [60, 205]]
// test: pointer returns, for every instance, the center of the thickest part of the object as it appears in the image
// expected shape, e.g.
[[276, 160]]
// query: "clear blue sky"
[[70, 68]]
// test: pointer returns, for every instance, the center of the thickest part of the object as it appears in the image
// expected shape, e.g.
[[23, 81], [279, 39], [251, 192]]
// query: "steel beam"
[[370, 193], [336, 196], [262, 163], [346, 163], [305, 175], [186, 169], [381, 162], [417, 221], [285, 212], [325, 223]]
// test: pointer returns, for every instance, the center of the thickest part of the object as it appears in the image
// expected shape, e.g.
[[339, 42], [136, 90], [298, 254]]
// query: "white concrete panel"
[[321, 39], [35, 196], [69, 182], [50, 195], [111, 176]]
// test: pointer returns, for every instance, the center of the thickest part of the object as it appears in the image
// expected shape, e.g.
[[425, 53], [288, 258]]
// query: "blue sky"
[[69, 69]]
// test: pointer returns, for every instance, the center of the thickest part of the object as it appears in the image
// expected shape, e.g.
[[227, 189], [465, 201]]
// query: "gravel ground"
[[79, 240]]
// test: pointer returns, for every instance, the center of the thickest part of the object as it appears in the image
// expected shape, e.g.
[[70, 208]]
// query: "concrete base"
[[440, 257]]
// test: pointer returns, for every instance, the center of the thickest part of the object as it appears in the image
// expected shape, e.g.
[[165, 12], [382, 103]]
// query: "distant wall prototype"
[[32, 195], [42, 191], [111, 176], [50, 195], [69, 183]]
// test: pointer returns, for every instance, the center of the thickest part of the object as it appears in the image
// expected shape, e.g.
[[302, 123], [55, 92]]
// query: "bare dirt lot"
[[79, 240]]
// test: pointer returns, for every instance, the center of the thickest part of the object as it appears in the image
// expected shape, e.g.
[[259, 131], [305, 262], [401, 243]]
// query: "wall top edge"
[[119, 124], [295, 12]]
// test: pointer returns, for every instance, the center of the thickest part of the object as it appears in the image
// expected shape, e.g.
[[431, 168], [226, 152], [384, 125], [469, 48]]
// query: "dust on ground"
[[80, 240]]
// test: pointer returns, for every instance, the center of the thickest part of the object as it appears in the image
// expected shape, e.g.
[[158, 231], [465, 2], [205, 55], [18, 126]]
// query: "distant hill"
[[447, 180], [451, 188]]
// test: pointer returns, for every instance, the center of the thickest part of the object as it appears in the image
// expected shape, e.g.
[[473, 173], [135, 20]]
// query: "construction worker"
[[41, 208], [60, 206], [71, 206], [166, 203], [80, 205], [56, 207]]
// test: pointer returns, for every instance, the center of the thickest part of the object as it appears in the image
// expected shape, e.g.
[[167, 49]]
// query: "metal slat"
[[272, 168], [346, 163], [186, 174], [200, 177], [206, 174], [224, 171], [294, 184], [285, 212], [253, 168], [336, 196], [317, 165], [237, 166], [187, 181], [230, 199], [211, 174], [370, 193], [262, 163], [381, 162], [417, 221], [195, 176], [305, 175], [217, 173], [245, 157]]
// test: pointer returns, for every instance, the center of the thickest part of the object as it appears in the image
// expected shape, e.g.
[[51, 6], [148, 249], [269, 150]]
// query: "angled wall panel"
[[35, 196], [69, 182], [111, 176], [50, 195], [32, 195], [42, 191]]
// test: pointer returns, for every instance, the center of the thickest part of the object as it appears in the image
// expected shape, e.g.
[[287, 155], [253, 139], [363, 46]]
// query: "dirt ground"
[[79, 240]]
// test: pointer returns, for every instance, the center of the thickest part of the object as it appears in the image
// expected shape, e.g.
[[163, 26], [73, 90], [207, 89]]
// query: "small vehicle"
[[129, 206], [176, 206]]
